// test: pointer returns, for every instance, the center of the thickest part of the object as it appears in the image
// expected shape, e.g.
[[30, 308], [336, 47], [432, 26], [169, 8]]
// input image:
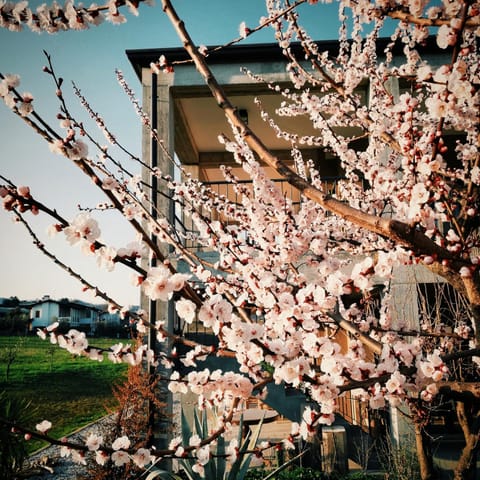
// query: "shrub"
[[400, 461], [307, 473], [13, 451], [300, 473], [136, 398], [14, 322]]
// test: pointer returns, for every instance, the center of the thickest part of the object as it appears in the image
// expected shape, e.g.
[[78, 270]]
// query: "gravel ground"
[[47, 464]]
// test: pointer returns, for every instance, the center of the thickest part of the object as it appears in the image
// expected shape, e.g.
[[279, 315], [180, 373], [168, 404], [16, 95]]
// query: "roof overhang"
[[198, 120]]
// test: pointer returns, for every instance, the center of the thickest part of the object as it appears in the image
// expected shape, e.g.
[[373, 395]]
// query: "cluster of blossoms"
[[214, 388], [18, 198], [160, 283], [55, 18], [120, 456], [76, 343], [21, 103]]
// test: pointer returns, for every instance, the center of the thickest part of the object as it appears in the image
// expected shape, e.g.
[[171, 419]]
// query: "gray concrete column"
[[157, 153]]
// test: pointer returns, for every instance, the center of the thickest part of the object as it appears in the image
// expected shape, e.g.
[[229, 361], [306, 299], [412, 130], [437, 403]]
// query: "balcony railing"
[[185, 226]]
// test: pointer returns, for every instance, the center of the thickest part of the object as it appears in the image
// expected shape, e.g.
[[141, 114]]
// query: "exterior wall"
[[44, 314], [404, 293], [405, 312]]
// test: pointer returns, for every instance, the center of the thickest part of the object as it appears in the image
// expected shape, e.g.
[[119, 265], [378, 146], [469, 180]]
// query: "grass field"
[[69, 391]]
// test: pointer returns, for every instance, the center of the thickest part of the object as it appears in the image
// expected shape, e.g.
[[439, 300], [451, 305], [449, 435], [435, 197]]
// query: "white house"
[[77, 314]]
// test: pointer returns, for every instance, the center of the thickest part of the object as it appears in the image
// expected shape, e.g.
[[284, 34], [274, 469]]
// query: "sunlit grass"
[[67, 390]]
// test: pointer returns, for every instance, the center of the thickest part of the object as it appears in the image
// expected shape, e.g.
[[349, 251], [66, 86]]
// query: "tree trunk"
[[423, 452], [465, 469]]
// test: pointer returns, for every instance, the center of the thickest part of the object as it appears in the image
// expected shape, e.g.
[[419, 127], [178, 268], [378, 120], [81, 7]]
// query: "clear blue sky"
[[90, 58]]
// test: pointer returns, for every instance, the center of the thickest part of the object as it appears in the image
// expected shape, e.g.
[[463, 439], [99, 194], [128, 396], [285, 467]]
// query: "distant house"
[[80, 315]]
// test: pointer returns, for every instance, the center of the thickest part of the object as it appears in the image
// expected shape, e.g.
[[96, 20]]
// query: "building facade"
[[189, 122]]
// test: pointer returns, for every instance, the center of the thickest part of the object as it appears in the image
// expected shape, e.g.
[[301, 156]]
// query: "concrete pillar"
[[158, 104], [334, 449]]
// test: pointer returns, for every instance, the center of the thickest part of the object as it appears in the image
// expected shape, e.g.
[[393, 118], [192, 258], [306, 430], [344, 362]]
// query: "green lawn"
[[67, 390]]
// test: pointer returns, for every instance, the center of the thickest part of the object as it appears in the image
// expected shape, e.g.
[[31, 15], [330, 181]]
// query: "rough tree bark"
[[469, 419]]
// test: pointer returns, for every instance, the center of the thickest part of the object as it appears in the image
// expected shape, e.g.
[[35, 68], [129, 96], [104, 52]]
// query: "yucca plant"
[[13, 451], [216, 468]]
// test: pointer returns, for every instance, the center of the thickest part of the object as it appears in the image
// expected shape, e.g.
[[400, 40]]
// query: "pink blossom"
[[142, 457], [452, 236], [446, 36], [395, 383], [175, 443], [120, 458], [57, 146], [436, 107], [203, 454], [83, 226], [419, 193], [10, 101], [44, 426], [243, 30], [465, 272], [232, 451], [75, 342], [154, 67], [78, 457], [121, 443], [194, 441], [424, 73], [430, 391], [433, 367], [132, 250], [199, 468], [77, 150], [416, 7], [186, 310], [113, 15], [94, 441], [41, 333], [101, 457], [177, 387], [53, 326], [463, 330], [156, 285], [132, 210], [26, 107], [106, 257], [177, 281], [110, 183], [10, 81], [65, 451], [95, 354], [377, 400]]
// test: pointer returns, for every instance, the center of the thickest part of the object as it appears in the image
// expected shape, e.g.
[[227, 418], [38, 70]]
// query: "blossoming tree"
[[277, 301]]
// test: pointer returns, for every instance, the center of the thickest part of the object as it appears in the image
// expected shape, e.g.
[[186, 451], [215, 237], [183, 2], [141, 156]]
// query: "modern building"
[[188, 120]]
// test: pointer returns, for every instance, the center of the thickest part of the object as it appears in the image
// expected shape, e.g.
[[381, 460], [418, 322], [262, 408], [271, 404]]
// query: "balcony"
[[187, 230]]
